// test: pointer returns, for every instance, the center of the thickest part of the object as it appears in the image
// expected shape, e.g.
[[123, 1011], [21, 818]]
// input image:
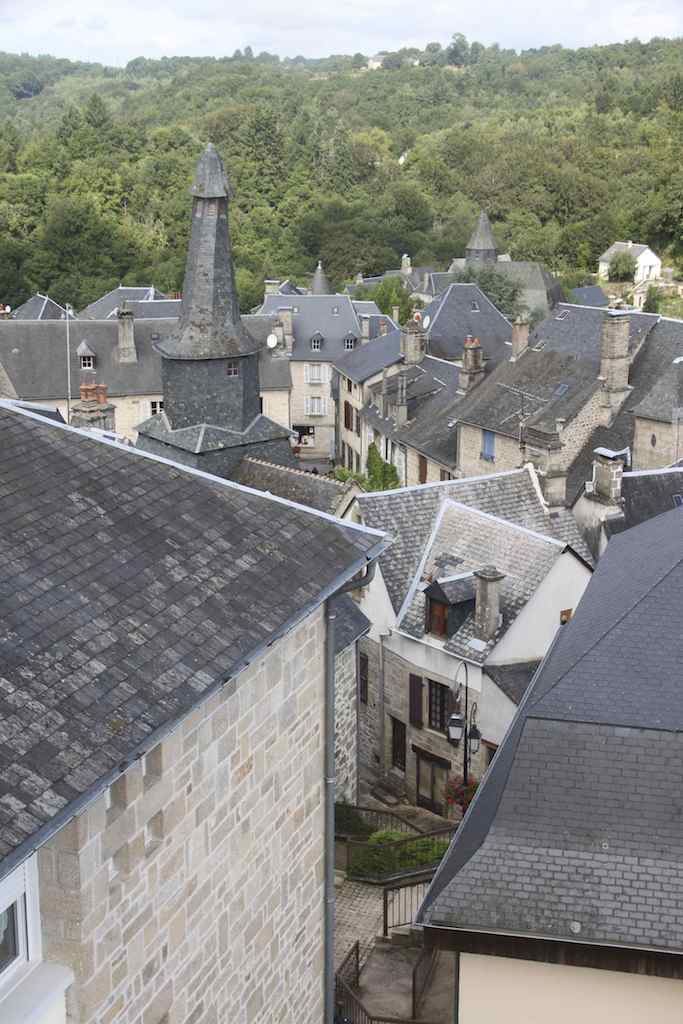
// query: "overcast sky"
[[115, 31]]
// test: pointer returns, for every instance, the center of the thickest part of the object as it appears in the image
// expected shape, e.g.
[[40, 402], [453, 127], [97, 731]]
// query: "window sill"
[[487, 458], [37, 995]]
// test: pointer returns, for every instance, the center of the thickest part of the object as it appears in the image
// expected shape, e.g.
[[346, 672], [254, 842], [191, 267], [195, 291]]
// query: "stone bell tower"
[[209, 369]]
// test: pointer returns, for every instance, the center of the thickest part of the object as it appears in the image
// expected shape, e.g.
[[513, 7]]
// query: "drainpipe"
[[331, 615]]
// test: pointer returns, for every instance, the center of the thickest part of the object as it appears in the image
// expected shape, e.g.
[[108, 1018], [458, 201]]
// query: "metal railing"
[[422, 975], [401, 902], [349, 1008], [380, 863], [380, 821]]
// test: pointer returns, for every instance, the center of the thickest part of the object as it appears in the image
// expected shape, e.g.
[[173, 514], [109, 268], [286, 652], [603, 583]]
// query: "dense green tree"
[[622, 267], [652, 300], [389, 294]]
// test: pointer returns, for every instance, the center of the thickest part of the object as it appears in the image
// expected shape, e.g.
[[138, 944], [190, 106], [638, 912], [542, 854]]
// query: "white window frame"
[[315, 405], [159, 402], [316, 344], [87, 362], [21, 888], [349, 344]]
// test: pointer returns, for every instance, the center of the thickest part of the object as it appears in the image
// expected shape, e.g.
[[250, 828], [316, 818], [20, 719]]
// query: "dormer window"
[[232, 368], [316, 342], [86, 356], [437, 617], [474, 306], [349, 343], [562, 315], [448, 603]]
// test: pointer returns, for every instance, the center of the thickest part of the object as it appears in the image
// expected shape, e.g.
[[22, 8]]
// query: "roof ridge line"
[[294, 469], [505, 522], [132, 451]]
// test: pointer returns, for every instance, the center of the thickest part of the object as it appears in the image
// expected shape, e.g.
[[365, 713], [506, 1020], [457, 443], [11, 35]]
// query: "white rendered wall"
[[497, 989]]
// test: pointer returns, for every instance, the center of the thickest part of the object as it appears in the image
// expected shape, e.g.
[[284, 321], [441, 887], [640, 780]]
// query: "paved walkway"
[[358, 916]]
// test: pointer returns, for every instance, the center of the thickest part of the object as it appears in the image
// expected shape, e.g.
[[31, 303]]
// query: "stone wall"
[[346, 725], [130, 410], [664, 451], [470, 462], [434, 469], [192, 892]]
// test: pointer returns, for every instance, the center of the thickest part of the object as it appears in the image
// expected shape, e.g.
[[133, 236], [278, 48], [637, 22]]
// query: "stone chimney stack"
[[285, 318], [520, 338], [395, 312], [126, 335], [271, 285], [383, 393], [487, 602], [406, 265], [401, 414], [608, 470], [472, 363], [93, 408], [364, 329], [413, 340], [615, 360]]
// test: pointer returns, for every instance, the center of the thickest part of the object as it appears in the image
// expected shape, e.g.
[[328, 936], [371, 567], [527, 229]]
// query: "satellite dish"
[[271, 341], [8, 309], [426, 322]]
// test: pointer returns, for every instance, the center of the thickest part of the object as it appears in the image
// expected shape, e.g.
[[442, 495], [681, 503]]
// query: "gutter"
[[329, 773]]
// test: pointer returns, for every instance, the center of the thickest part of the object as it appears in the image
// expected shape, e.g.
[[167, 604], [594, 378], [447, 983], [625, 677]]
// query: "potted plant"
[[459, 796]]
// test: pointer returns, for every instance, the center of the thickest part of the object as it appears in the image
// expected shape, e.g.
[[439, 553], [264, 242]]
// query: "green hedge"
[[380, 858]]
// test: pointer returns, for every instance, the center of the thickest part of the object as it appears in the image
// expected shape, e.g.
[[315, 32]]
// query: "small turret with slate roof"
[[482, 247], [210, 379], [320, 285]]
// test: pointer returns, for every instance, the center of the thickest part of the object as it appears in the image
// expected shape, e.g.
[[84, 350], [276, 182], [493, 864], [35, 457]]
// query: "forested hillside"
[[567, 150]]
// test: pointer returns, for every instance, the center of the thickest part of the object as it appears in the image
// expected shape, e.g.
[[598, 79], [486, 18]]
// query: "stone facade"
[[470, 445], [192, 892], [346, 725], [435, 471], [656, 443], [323, 424], [129, 410], [368, 715], [275, 405]]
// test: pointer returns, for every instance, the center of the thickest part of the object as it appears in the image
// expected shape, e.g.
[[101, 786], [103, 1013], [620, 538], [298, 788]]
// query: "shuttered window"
[[348, 416], [416, 701], [422, 469], [437, 618], [439, 705], [398, 744]]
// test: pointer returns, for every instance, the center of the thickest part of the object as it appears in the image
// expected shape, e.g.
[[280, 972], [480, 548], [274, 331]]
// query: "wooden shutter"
[[416, 701], [422, 467], [307, 373]]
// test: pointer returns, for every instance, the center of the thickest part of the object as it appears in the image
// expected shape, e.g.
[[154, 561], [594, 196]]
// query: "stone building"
[[311, 333], [164, 686], [558, 901], [446, 633]]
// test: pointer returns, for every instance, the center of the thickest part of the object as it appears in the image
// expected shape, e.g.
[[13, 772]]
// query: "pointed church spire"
[[320, 285], [210, 326], [482, 245]]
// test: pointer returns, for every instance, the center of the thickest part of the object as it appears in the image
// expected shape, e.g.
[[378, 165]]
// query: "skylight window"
[[560, 390], [678, 500], [562, 315], [474, 306]]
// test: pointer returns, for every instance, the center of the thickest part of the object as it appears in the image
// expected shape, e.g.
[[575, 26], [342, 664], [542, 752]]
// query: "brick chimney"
[[487, 602], [520, 338], [615, 360], [125, 346], [271, 286], [472, 364], [413, 340], [401, 412], [93, 409], [608, 470]]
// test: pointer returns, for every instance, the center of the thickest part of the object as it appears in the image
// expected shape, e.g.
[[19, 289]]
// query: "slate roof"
[[481, 239], [369, 359], [32, 354], [551, 845], [320, 285], [635, 249], [131, 588], [539, 289], [535, 390], [315, 315], [310, 489], [103, 307], [40, 307], [453, 316], [408, 514], [467, 539], [513, 679], [590, 295], [351, 623], [645, 494], [578, 330], [207, 437]]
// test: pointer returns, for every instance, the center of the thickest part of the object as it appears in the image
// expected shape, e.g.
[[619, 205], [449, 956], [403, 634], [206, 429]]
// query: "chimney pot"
[[101, 393], [487, 602]]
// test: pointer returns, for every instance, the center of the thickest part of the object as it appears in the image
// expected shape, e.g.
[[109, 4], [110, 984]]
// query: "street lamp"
[[463, 727]]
